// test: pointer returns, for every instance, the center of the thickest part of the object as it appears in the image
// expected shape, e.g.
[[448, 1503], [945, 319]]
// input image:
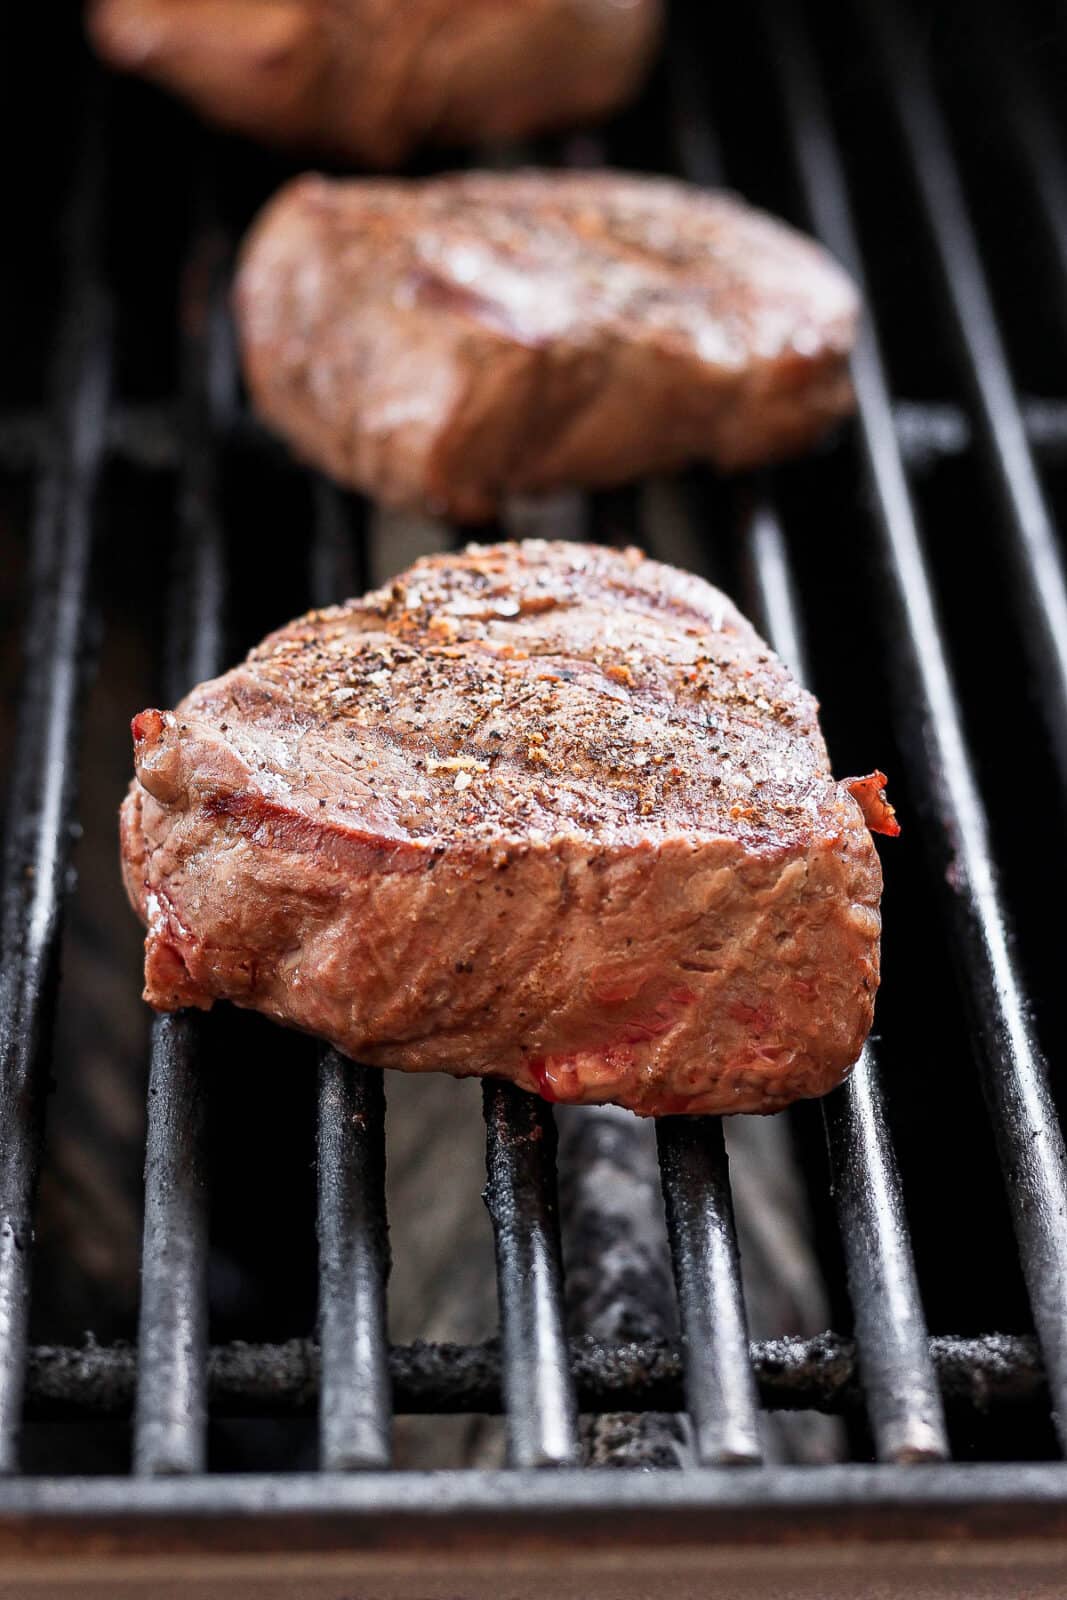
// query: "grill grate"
[[42, 791], [898, 1374], [718, 1383], [1014, 1073], [170, 1429], [350, 1376], [902, 1393]]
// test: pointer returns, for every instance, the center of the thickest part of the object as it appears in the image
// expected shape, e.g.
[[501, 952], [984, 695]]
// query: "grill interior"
[[911, 572]]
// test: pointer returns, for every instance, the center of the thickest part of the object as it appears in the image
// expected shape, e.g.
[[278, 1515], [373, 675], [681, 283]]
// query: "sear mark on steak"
[[446, 342], [373, 78], [550, 812]]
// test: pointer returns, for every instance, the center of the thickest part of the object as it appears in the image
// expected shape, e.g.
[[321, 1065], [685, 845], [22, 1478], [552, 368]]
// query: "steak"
[[543, 812], [373, 78], [540, 811], [442, 343]]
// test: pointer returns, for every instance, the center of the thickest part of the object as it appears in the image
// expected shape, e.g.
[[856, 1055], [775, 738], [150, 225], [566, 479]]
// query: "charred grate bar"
[[170, 1434], [720, 1392], [350, 1377], [170, 1425], [898, 1373], [521, 1195], [355, 1403], [256, 1380]]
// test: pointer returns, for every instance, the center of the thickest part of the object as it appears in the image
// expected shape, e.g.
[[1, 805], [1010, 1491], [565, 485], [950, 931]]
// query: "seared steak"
[[442, 343], [373, 78], [550, 812]]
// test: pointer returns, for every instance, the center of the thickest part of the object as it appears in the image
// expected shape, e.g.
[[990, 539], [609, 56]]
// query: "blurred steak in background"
[[446, 344], [370, 80]]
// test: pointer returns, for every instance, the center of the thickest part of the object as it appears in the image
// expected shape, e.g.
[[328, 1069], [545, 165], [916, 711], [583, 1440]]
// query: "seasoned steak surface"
[[442, 343], [373, 78], [551, 812]]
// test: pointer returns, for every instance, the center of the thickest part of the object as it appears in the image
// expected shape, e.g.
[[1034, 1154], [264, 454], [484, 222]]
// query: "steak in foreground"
[[441, 344], [546, 812]]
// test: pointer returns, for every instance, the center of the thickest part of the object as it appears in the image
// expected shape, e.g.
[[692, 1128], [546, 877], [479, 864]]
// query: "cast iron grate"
[[172, 1382]]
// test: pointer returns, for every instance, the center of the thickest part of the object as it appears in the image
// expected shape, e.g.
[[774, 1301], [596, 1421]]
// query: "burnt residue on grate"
[[619, 1288], [263, 1380]]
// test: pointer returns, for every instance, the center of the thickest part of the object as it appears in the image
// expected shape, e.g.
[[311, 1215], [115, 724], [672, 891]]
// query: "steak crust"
[[547, 812], [374, 78], [443, 343]]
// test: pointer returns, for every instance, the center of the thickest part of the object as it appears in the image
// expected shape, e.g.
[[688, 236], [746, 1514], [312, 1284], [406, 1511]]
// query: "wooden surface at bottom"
[[1016, 1571]]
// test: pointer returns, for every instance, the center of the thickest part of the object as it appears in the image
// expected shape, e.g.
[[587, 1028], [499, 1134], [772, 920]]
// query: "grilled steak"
[[550, 812], [444, 342], [373, 78]]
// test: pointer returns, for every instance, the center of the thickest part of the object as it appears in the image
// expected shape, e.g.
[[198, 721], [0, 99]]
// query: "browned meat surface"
[[373, 78], [551, 812], [445, 342]]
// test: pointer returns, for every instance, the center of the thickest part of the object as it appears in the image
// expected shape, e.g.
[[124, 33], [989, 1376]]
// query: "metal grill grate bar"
[[1014, 1074], [521, 1198], [899, 1381], [1033, 546], [355, 1400], [42, 793], [898, 1375], [719, 1386], [694, 1168], [355, 1403], [171, 1413], [282, 1380], [170, 1417]]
